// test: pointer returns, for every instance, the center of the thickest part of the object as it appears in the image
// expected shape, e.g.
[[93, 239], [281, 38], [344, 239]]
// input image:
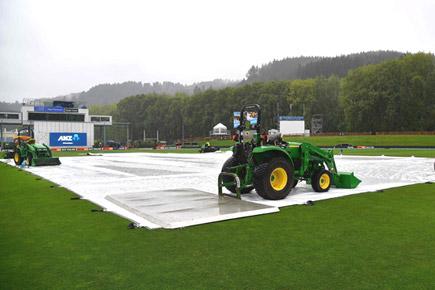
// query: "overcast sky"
[[50, 48]]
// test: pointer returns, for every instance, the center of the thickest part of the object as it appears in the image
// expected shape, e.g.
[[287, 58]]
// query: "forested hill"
[[396, 95], [310, 67], [113, 93]]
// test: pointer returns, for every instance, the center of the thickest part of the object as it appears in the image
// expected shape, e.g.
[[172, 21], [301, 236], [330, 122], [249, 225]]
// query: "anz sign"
[[68, 139]]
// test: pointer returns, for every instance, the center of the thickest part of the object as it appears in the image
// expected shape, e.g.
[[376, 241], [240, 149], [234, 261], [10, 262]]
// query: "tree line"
[[396, 95]]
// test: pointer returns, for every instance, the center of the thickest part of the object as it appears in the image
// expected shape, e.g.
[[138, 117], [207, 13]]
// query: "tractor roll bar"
[[242, 116]]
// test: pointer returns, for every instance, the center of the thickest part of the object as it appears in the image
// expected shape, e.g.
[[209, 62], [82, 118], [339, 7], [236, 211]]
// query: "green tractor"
[[34, 154], [273, 167]]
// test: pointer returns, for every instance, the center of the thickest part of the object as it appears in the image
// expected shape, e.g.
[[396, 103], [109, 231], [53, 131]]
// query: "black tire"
[[17, 158], [295, 182], [230, 163], [266, 172], [321, 181]]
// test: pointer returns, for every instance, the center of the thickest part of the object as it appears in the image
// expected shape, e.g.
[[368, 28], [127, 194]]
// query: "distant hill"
[[113, 93], [310, 67]]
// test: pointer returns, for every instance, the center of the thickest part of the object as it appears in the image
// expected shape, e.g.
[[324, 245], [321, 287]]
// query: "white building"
[[59, 124], [219, 130], [292, 125]]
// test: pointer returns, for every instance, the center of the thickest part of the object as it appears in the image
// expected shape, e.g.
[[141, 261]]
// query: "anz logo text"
[[70, 138], [65, 138]]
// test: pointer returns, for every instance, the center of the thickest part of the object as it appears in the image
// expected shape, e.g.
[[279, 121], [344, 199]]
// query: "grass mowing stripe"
[[373, 240]]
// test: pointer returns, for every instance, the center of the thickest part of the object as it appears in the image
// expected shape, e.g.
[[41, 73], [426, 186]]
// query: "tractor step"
[[222, 184]]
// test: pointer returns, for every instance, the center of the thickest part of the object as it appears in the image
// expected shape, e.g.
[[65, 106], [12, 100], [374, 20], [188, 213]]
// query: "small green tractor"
[[272, 166], [34, 154]]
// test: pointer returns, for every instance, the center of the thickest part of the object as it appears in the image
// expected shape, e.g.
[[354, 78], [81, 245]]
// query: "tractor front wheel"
[[321, 181], [231, 162], [274, 180], [17, 158]]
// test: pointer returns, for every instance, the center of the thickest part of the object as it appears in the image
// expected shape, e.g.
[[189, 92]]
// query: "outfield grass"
[[375, 240], [366, 152], [369, 140], [366, 140], [141, 150], [430, 153]]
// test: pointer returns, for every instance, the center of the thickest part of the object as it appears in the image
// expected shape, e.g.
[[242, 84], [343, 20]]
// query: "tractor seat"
[[27, 139]]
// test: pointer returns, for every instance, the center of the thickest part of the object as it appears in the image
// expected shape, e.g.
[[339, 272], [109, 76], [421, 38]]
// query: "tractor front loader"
[[273, 167], [34, 154]]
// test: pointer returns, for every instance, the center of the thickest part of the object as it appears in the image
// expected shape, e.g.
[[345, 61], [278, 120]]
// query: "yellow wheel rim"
[[17, 157], [278, 179], [324, 181]]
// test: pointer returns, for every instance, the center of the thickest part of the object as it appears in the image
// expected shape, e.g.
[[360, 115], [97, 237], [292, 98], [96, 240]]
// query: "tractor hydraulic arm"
[[309, 151]]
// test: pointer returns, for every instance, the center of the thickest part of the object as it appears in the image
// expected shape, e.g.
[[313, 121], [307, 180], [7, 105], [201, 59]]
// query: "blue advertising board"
[[236, 119], [57, 109], [60, 139]]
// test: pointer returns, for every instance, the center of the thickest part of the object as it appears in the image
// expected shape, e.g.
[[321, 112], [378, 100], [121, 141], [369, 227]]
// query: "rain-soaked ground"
[[113, 180]]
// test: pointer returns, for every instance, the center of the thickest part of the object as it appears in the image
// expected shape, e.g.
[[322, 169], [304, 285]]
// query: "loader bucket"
[[44, 161], [346, 180]]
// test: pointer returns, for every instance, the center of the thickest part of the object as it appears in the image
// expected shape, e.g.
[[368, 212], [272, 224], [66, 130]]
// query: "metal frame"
[[236, 180]]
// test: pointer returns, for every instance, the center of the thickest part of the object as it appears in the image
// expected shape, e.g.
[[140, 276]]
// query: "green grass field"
[[366, 140], [430, 153], [133, 150], [369, 140], [379, 240], [363, 152]]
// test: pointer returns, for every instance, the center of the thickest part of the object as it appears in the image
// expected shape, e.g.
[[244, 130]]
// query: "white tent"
[[219, 129]]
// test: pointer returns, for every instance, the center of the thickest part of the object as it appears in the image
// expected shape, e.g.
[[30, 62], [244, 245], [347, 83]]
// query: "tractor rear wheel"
[[225, 168], [321, 181], [274, 180], [17, 158], [295, 182]]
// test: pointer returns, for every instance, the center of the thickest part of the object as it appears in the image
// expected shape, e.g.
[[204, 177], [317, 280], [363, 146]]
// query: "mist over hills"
[[113, 93], [310, 67], [292, 68], [284, 69]]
